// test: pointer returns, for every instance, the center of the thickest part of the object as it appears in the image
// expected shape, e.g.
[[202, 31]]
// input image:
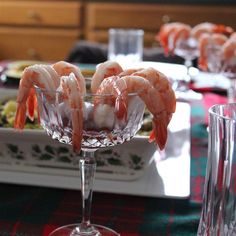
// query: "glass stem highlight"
[[87, 171]]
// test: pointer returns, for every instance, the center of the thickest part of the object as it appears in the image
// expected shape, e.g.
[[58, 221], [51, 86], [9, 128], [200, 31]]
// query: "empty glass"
[[125, 46], [218, 216]]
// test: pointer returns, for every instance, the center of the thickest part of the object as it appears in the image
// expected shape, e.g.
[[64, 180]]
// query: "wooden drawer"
[[102, 16], [41, 13], [39, 44], [152, 16]]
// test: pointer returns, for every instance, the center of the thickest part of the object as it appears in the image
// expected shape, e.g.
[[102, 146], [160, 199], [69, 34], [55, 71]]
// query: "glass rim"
[[213, 111], [128, 30], [84, 95]]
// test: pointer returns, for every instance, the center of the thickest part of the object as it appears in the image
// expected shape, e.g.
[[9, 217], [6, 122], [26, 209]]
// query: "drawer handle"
[[33, 15], [166, 19]]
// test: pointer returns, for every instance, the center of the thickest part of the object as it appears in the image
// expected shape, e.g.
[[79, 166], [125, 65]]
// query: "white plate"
[[15, 68], [173, 71], [167, 176]]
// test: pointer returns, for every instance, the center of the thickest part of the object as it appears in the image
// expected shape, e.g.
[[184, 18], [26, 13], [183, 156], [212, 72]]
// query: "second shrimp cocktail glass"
[[101, 128]]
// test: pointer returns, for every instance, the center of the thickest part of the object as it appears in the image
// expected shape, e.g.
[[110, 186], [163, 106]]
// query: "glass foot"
[[74, 230]]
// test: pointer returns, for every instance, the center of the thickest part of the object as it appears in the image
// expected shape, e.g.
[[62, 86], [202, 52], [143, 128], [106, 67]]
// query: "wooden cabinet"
[[41, 30], [102, 16], [48, 29]]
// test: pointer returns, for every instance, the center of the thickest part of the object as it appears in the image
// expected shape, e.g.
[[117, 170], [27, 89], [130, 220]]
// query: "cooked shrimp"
[[65, 68], [207, 27], [129, 72], [152, 97], [37, 75], [206, 40], [161, 83], [72, 95], [104, 70], [32, 100], [170, 33]]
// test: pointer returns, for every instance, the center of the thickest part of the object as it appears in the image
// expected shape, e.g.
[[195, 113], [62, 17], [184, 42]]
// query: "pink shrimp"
[[65, 68], [104, 70], [207, 27], [159, 108], [205, 41], [108, 87], [32, 100], [36, 75], [129, 72], [72, 95], [160, 82], [170, 33]]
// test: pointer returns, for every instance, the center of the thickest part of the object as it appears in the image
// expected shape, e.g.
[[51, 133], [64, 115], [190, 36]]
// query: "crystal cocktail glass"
[[100, 129], [188, 50], [217, 65]]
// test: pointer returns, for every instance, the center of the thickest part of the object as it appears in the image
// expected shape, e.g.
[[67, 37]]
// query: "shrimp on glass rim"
[[104, 70], [42, 76], [158, 102], [170, 33], [207, 27], [73, 97], [65, 68]]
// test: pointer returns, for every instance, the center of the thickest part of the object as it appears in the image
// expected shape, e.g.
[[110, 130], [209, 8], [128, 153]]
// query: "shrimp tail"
[[77, 131], [202, 63], [121, 108], [31, 104], [159, 131], [20, 116]]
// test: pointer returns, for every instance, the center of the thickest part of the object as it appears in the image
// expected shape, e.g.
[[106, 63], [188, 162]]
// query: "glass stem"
[[188, 64], [231, 93], [87, 170]]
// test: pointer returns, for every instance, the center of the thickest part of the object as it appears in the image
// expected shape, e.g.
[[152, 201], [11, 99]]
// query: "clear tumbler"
[[218, 215], [125, 46]]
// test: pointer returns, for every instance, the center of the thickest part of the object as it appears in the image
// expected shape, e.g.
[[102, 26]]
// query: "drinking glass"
[[125, 46], [188, 50], [100, 130], [218, 217]]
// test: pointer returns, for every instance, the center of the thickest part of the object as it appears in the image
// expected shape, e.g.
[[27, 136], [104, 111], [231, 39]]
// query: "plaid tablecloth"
[[36, 211]]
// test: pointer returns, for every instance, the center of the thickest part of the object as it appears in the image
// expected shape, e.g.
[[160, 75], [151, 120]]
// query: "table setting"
[[148, 181]]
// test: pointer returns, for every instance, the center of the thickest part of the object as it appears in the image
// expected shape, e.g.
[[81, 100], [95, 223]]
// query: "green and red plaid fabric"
[[36, 211]]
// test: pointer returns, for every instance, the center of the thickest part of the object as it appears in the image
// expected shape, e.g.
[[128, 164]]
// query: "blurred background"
[[48, 30]]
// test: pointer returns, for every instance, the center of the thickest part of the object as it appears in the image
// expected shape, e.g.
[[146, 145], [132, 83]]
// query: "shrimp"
[[209, 41], [36, 75], [72, 95], [207, 27], [129, 72], [160, 82], [108, 86], [32, 100], [146, 91], [65, 68], [170, 33], [104, 70]]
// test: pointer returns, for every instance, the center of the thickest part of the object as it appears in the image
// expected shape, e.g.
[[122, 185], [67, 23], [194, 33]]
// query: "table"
[[36, 211]]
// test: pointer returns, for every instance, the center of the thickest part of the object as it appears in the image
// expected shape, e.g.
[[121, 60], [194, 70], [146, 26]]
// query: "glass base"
[[74, 230]]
